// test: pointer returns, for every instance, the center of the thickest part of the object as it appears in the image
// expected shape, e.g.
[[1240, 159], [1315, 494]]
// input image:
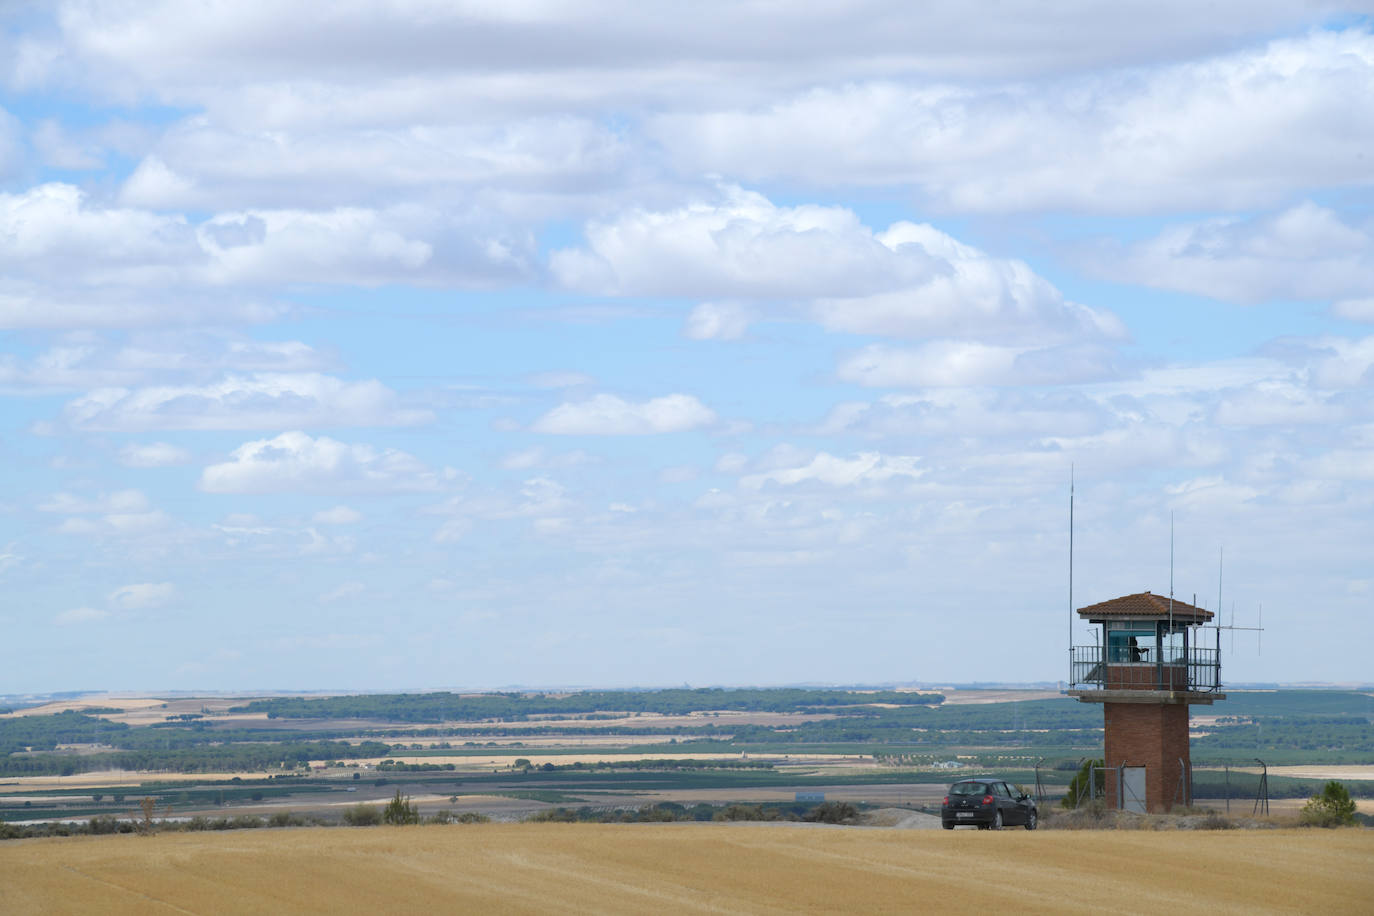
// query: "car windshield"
[[968, 788]]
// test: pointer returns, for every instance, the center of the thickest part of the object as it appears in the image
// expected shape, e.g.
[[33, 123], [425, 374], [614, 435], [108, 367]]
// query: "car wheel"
[[948, 825], [997, 820], [1032, 819]]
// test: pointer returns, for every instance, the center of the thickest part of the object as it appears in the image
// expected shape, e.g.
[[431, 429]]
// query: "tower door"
[[1133, 789]]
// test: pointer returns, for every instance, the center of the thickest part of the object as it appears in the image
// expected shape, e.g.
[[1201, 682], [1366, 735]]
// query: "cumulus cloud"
[[142, 595], [343, 592], [258, 401], [718, 321], [80, 615], [339, 515], [910, 280], [863, 468], [1235, 130], [1304, 252], [608, 415], [72, 260], [85, 360], [950, 363], [395, 56], [122, 513], [295, 461], [153, 455]]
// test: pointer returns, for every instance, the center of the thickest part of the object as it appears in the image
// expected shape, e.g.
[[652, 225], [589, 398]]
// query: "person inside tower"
[[1137, 650]]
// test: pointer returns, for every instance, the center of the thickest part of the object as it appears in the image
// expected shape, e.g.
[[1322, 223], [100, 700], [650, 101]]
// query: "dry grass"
[[689, 868]]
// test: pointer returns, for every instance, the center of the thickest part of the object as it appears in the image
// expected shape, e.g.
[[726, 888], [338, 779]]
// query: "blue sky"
[[410, 345]]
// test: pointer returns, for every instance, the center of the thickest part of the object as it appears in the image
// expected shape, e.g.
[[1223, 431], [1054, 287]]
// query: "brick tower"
[[1145, 670]]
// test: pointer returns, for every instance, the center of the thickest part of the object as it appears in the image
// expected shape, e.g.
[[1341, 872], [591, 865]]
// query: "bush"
[[1331, 807], [833, 812], [103, 823], [471, 817], [361, 815], [400, 811], [1079, 784], [284, 819]]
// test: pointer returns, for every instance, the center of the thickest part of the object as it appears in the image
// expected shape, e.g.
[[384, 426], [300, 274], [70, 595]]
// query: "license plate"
[[964, 814]]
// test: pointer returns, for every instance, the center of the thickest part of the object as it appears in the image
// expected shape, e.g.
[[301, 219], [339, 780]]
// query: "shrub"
[[471, 817], [1331, 807], [361, 815], [400, 811], [833, 812], [284, 819], [1078, 786], [103, 823]]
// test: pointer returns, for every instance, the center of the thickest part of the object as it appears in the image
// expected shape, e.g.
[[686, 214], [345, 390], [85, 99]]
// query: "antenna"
[[1221, 559], [1071, 564], [1171, 571]]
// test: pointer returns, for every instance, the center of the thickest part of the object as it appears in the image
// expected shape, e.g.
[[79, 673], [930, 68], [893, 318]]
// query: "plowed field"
[[572, 868]]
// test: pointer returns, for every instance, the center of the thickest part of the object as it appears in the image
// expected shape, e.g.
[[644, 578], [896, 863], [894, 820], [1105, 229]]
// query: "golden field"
[[688, 868]]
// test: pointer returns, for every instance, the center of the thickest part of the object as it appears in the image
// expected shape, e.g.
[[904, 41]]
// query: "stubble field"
[[553, 868]]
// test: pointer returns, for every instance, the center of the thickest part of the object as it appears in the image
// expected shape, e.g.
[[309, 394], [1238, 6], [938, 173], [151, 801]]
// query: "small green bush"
[[361, 815], [1331, 807], [400, 811], [833, 812]]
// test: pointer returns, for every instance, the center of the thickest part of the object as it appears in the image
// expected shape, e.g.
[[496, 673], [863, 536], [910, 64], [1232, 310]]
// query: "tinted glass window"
[[968, 788]]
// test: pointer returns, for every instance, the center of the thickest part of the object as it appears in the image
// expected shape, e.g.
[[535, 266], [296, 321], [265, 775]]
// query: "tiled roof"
[[1143, 605]]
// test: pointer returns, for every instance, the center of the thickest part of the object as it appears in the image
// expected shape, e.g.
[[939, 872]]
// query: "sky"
[[369, 346]]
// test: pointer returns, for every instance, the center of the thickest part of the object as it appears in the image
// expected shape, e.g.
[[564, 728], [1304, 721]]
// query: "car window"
[[968, 788], [1003, 790]]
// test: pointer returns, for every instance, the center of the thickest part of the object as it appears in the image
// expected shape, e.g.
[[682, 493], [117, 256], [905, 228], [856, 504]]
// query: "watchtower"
[[1146, 670]]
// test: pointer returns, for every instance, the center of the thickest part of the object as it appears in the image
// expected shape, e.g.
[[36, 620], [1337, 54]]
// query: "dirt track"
[[689, 868]]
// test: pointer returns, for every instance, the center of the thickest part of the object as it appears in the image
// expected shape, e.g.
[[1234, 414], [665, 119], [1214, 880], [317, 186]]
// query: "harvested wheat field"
[[578, 868]]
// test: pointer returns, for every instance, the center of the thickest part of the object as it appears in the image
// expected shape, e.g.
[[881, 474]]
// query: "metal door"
[[1133, 789]]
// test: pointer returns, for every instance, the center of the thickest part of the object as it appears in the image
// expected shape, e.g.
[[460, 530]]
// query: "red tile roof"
[[1143, 605]]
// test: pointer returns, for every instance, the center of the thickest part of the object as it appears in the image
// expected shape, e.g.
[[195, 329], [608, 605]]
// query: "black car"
[[989, 803]]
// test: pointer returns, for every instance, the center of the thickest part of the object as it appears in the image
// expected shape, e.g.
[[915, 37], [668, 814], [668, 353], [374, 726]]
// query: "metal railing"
[[1090, 668]]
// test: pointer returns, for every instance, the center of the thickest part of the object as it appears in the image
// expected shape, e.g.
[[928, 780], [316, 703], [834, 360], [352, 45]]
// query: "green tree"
[[1078, 786], [1331, 807], [400, 811]]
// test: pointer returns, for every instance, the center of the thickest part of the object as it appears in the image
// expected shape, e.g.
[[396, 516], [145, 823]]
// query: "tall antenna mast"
[[1171, 571], [1070, 562]]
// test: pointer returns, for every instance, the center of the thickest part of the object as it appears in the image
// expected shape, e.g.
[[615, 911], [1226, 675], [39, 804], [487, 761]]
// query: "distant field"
[[554, 868]]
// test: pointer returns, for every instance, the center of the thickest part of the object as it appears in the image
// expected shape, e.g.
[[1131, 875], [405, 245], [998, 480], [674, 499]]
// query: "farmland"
[[689, 868], [513, 755]]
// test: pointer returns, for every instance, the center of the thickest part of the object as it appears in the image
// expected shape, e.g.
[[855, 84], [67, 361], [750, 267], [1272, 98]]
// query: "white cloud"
[[718, 321], [80, 615], [1238, 130], [955, 363], [560, 379], [120, 502], [85, 360], [1304, 252], [862, 469], [394, 59], [1354, 309], [538, 457], [908, 281], [153, 455], [295, 461], [142, 595], [343, 592], [339, 515], [258, 401], [608, 415]]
